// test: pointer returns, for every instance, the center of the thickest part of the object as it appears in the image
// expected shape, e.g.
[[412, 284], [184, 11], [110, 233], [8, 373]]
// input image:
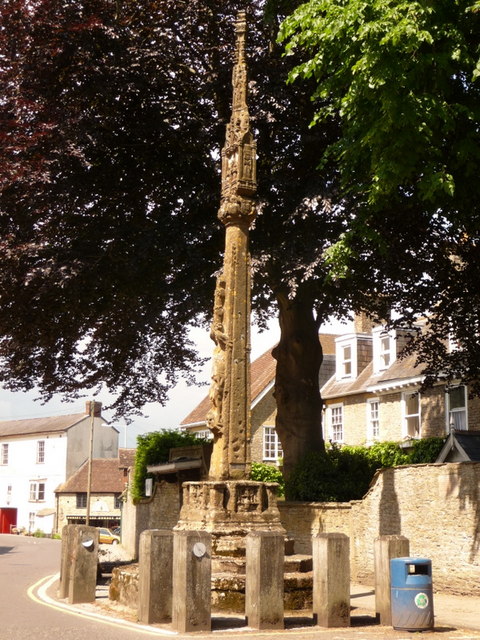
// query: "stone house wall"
[[390, 416], [263, 413], [67, 505], [432, 412], [474, 414]]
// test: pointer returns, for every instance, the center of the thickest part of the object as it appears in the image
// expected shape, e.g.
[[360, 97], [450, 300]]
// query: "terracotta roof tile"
[[262, 374], [39, 425], [106, 478], [126, 458]]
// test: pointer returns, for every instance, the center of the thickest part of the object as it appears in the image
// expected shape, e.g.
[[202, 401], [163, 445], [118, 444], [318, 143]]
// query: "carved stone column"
[[229, 416]]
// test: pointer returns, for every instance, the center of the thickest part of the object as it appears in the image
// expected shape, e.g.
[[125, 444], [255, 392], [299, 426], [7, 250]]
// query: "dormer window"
[[346, 361], [384, 349], [346, 354]]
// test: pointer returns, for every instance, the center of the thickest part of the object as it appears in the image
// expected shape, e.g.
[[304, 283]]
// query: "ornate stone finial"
[[240, 30], [239, 153]]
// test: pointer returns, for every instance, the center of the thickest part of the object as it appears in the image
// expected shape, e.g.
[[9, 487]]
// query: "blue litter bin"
[[411, 594]]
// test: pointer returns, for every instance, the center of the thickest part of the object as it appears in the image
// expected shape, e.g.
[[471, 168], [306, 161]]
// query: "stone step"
[[296, 563]]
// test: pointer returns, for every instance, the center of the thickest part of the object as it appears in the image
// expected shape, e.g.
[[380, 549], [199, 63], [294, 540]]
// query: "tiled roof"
[[399, 372], [262, 374], [39, 425], [126, 458], [470, 443], [106, 478]]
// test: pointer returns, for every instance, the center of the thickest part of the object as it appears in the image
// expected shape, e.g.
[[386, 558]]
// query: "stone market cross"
[[229, 415]]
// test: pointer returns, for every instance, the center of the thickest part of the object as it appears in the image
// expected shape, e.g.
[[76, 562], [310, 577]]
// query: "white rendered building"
[[39, 454]]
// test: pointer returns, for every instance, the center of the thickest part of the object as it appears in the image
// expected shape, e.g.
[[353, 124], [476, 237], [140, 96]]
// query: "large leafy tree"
[[113, 115], [401, 79]]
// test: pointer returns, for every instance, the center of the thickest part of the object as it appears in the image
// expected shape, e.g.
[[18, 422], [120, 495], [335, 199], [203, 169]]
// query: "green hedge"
[[154, 448], [262, 472], [343, 474]]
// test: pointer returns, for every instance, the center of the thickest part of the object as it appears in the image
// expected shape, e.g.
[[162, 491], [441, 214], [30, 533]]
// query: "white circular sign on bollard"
[[88, 543], [199, 549]]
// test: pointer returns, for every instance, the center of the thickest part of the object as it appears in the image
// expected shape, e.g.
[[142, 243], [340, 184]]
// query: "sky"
[[182, 398]]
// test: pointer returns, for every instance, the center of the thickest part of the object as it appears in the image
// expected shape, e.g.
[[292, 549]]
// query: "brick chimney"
[[97, 408], [362, 323]]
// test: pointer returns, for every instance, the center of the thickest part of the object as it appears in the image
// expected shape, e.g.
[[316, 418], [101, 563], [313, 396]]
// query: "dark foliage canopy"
[[112, 118]]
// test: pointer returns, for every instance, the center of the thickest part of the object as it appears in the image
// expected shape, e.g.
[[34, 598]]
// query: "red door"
[[8, 519]]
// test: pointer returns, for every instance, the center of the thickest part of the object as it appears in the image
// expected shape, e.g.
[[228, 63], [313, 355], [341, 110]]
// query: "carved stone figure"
[[218, 335]]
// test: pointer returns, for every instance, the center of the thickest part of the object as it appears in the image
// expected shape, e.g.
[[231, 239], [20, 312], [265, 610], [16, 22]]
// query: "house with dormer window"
[[375, 396]]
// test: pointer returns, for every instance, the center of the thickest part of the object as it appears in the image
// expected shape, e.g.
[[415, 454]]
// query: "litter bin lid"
[[405, 572]]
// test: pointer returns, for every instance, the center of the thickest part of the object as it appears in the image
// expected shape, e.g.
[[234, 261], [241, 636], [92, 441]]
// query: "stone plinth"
[[229, 510]]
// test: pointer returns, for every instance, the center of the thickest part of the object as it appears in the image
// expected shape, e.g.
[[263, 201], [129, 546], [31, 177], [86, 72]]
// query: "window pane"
[[374, 422], [81, 500], [337, 424], [457, 398], [413, 427], [459, 419], [40, 451], [411, 404], [269, 443]]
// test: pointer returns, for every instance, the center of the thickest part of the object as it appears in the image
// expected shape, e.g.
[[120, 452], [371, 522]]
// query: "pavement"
[[456, 618]]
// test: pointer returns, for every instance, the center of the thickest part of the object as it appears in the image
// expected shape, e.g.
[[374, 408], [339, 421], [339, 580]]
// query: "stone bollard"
[[82, 572], [66, 559], [192, 574], [386, 548], [264, 579], [331, 579], [155, 566]]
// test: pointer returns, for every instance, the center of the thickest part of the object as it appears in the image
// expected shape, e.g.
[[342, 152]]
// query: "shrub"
[[268, 473], [337, 475], [344, 474], [154, 448], [425, 450]]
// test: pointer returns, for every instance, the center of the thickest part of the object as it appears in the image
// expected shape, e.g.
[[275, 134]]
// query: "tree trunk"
[[297, 391]]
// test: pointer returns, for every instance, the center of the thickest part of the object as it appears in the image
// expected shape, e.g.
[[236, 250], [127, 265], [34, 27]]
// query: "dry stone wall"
[[436, 506]]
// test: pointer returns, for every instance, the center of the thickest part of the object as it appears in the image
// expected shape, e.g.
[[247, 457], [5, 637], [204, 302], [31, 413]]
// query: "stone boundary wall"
[[160, 511], [302, 520], [436, 506]]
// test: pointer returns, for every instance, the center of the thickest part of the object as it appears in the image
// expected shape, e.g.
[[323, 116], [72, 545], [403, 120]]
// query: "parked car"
[[105, 536], [116, 531]]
